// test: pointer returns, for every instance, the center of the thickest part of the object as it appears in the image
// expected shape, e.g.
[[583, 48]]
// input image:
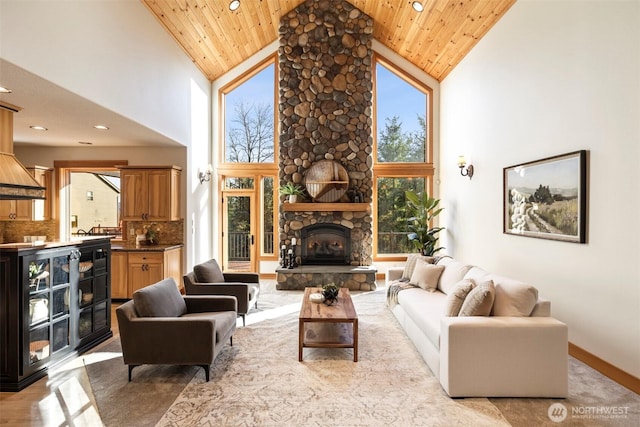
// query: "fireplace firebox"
[[325, 244]]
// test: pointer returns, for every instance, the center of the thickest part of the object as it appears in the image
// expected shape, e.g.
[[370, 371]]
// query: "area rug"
[[259, 381], [141, 402]]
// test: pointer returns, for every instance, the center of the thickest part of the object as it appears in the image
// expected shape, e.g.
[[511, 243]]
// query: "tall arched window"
[[248, 170], [403, 160]]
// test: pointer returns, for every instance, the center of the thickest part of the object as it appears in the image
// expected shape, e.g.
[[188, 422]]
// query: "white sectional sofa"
[[514, 350]]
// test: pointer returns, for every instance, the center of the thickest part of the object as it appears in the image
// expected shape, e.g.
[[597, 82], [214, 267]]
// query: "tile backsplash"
[[14, 231], [171, 232]]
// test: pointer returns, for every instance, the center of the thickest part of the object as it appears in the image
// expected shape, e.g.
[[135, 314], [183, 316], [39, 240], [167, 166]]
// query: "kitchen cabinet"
[[119, 275], [135, 268], [150, 193], [55, 303], [30, 210]]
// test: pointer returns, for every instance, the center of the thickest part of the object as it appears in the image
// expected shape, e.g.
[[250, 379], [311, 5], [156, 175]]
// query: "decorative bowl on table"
[[316, 298]]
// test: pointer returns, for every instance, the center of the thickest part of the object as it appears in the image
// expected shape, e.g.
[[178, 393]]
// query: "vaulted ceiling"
[[435, 40]]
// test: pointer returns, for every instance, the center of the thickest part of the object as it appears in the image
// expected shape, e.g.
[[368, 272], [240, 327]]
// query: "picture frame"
[[547, 198]]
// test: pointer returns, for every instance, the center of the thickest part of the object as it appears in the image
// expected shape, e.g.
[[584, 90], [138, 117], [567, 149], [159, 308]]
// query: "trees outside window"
[[249, 119], [403, 154], [248, 167]]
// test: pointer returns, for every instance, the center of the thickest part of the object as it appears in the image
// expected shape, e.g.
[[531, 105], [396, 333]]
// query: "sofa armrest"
[[393, 273], [504, 357], [242, 277], [210, 303], [542, 308]]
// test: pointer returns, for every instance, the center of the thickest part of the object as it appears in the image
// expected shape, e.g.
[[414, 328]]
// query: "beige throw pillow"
[[513, 298], [410, 265], [457, 296], [426, 275], [479, 301]]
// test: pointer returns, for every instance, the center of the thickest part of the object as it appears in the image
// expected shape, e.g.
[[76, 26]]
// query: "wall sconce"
[[464, 169], [205, 175]]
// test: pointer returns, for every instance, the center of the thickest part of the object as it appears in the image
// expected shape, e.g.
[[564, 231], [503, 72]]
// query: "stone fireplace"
[[325, 113]]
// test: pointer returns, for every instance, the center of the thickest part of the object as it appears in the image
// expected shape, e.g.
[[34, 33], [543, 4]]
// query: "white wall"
[[550, 78], [117, 55], [114, 53]]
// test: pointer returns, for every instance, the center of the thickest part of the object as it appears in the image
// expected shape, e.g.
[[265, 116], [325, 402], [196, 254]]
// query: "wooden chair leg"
[[231, 341], [244, 322]]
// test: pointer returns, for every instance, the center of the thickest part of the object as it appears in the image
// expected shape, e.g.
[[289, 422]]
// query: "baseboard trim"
[[605, 368]]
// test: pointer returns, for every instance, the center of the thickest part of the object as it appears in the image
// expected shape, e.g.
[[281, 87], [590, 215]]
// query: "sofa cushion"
[[161, 299], [208, 272], [454, 272], [479, 301], [425, 310], [225, 320], [410, 264], [513, 298], [426, 275], [457, 296]]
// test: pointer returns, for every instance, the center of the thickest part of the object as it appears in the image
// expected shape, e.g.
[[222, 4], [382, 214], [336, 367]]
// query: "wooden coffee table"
[[341, 312]]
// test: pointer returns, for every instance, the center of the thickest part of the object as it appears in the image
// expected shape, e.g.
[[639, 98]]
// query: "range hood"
[[16, 183]]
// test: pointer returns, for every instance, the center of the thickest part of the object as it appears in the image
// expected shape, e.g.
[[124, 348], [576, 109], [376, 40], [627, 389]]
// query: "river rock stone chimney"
[[325, 108]]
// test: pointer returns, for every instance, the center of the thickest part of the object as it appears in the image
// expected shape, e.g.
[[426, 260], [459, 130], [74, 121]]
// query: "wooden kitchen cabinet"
[[134, 269], [119, 275], [30, 210], [150, 193]]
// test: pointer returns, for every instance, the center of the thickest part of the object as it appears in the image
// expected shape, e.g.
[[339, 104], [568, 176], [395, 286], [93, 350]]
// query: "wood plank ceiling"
[[434, 40]]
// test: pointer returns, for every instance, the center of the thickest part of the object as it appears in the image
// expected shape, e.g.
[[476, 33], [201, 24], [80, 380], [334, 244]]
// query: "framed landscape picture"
[[547, 198]]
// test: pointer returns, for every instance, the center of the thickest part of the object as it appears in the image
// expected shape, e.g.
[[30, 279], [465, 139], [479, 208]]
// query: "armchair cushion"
[[208, 272], [161, 300]]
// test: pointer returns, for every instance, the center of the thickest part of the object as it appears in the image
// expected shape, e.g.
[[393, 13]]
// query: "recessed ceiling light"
[[234, 5], [4, 90], [38, 127], [417, 6], [85, 143], [101, 127]]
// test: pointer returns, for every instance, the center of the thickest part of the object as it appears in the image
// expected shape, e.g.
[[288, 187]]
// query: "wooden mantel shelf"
[[326, 207]]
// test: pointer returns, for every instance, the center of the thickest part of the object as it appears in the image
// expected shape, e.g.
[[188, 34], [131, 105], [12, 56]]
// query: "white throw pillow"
[[453, 273], [479, 301], [426, 275], [457, 296]]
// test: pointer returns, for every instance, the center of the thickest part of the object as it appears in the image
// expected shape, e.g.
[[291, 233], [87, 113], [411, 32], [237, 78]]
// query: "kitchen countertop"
[[12, 247], [118, 247]]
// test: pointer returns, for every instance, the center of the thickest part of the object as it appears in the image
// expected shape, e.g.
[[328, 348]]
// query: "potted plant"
[[330, 293], [421, 210], [293, 191]]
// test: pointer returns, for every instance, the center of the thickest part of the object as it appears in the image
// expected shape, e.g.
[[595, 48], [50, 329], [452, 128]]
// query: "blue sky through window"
[[395, 96]]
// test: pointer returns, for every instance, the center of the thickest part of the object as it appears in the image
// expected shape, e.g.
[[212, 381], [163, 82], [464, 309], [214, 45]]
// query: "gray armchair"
[[208, 279], [160, 326]]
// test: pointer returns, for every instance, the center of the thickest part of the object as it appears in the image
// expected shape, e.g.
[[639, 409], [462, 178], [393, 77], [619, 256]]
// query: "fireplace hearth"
[[325, 244]]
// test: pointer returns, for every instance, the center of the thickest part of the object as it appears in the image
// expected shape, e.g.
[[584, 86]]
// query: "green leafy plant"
[[35, 270], [291, 189], [330, 292], [421, 210]]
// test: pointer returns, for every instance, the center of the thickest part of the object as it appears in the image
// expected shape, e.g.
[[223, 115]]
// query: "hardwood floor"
[[62, 398]]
